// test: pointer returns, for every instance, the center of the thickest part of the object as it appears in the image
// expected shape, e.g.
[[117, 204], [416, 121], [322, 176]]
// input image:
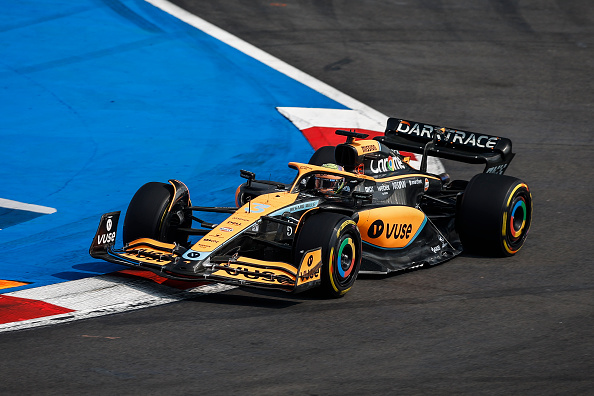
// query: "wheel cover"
[[346, 258], [516, 219]]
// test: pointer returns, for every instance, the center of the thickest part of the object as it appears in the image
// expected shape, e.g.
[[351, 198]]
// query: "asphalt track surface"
[[474, 325]]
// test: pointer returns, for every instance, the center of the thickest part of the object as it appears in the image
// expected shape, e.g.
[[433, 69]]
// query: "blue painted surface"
[[99, 97]]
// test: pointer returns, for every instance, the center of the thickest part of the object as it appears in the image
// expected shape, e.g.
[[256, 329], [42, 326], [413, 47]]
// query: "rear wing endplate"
[[453, 144]]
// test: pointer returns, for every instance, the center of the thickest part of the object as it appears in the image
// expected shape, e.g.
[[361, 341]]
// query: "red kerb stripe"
[[15, 309]]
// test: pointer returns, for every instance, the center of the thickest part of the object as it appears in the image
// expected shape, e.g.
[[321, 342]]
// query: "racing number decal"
[[256, 207]]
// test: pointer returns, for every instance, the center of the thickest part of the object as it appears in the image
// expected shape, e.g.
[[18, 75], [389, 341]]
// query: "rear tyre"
[[339, 238], [148, 215], [494, 215]]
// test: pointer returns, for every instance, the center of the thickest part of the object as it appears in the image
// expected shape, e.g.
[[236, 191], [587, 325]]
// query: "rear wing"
[[469, 147]]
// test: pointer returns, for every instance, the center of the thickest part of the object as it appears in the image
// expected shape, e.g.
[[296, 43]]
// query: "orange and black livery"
[[358, 207]]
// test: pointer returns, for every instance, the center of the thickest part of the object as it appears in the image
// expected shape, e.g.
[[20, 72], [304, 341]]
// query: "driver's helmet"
[[327, 183]]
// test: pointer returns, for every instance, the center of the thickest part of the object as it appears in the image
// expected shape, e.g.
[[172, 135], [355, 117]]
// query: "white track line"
[[269, 60], [8, 204]]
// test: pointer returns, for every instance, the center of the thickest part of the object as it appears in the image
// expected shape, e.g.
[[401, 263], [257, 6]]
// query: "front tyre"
[[494, 215], [339, 238], [149, 215]]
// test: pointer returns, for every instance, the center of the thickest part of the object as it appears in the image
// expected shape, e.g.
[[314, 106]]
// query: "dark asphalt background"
[[474, 325]]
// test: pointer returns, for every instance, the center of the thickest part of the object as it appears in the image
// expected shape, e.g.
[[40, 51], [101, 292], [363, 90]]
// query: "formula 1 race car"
[[356, 207]]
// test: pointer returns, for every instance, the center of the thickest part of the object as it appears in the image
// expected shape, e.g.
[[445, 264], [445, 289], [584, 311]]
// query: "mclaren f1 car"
[[358, 207]]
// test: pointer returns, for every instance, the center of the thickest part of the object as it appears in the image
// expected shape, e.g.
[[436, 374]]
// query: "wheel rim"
[[346, 258], [517, 219]]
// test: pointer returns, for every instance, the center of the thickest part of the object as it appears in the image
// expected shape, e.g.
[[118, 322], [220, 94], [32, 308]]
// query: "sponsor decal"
[[389, 164], [235, 223], [369, 189], [360, 169], [297, 207], [426, 186], [383, 187], [470, 139], [391, 227], [435, 249], [399, 184], [226, 229], [420, 130], [253, 274], [368, 148], [311, 274], [110, 236], [412, 182], [395, 231], [106, 238], [149, 255], [449, 136], [499, 169], [311, 266]]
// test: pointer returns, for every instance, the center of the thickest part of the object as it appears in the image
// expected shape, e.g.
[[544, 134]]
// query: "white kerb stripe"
[[305, 118], [103, 295]]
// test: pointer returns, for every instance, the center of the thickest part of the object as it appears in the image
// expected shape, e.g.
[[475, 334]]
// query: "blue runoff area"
[[100, 97]]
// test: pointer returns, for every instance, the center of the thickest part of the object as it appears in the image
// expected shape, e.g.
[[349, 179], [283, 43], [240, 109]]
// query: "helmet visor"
[[329, 183]]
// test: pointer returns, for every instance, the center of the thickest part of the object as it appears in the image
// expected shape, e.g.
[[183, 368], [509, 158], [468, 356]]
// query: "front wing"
[[166, 260]]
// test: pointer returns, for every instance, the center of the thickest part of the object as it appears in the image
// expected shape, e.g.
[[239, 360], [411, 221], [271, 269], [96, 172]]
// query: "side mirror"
[[250, 176]]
